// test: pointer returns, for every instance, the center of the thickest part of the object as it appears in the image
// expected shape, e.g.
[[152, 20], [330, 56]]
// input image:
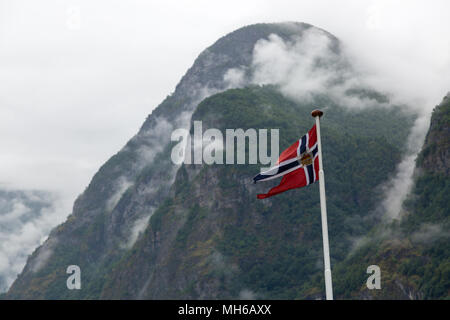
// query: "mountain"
[[413, 252], [146, 228], [213, 239]]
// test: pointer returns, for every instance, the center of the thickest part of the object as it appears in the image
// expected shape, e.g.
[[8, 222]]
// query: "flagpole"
[[323, 208]]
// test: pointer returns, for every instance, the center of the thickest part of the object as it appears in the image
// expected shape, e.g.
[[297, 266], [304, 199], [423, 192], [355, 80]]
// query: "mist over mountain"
[[146, 228], [24, 224]]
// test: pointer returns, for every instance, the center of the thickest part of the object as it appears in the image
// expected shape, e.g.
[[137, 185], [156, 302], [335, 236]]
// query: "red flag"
[[298, 164]]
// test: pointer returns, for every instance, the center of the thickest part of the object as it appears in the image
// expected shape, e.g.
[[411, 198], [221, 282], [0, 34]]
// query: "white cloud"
[[397, 189], [234, 77], [429, 233], [120, 187], [302, 68], [138, 228]]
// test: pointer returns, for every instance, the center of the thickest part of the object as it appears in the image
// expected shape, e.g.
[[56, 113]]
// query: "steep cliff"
[[435, 157]]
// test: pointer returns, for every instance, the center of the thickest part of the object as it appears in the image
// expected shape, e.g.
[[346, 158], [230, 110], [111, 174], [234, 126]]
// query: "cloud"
[[429, 233], [308, 66], [44, 254], [121, 186], [301, 68], [397, 189], [138, 228], [246, 294], [26, 218], [235, 78]]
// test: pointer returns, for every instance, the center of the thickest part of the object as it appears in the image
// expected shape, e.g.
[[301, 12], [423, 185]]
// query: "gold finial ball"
[[316, 113]]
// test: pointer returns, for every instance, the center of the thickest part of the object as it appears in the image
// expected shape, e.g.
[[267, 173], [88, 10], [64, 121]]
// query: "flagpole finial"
[[316, 113]]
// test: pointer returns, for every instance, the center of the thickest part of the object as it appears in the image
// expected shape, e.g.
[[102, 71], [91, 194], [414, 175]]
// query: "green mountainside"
[[413, 253], [213, 239]]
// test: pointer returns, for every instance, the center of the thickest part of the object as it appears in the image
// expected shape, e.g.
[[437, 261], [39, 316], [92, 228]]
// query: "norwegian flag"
[[298, 164]]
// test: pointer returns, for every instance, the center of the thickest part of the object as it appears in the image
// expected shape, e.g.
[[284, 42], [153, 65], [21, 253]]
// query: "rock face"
[[148, 229], [435, 156]]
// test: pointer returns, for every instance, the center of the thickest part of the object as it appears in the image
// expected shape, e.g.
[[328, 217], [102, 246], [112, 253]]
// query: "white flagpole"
[[323, 208]]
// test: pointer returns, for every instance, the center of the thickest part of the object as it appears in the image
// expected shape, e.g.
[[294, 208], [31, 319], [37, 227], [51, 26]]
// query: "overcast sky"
[[78, 78]]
